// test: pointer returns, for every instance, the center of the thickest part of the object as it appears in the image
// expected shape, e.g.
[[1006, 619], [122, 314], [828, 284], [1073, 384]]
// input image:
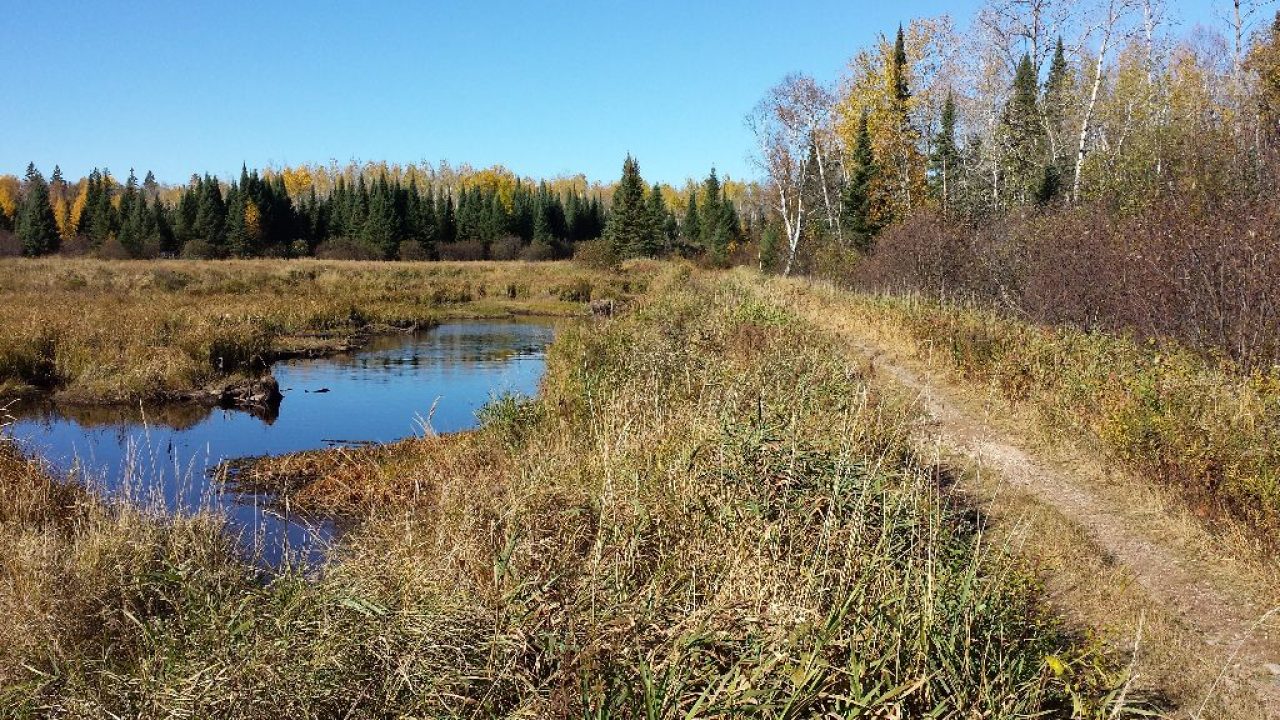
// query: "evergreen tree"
[[1057, 98], [446, 222], [691, 228], [1023, 136], [898, 71], [709, 215], [655, 240], [36, 228], [131, 223], [857, 210], [98, 218], [211, 215], [628, 225], [945, 161], [381, 232]]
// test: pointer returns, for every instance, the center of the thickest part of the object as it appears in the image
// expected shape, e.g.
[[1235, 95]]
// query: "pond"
[[390, 389]]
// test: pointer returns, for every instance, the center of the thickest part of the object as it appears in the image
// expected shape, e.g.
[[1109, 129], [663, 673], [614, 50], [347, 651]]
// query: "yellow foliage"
[[297, 180], [252, 221], [496, 179], [9, 196], [76, 212], [868, 89]]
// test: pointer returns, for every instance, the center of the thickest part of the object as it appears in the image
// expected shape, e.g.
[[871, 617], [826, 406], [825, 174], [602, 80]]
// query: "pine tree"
[[709, 217], [654, 241], [1023, 136], [898, 72], [628, 220], [381, 231], [691, 228], [857, 210], [36, 228], [211, 215], [945, 161]]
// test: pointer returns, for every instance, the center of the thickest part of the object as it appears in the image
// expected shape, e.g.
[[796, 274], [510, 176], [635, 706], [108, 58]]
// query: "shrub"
[[596, 253], [508, 248], [10, 246], [200, 250], [538, 251], [346, 249], [1206, 275], [462, 250], [412, 250]]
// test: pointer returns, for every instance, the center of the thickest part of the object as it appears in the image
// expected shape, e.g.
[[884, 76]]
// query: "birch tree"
[[791, 124]]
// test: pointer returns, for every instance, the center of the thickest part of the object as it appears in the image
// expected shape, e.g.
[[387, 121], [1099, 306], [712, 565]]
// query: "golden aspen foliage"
[[76, 212], [253, 222], [870, 88], [9, 197]]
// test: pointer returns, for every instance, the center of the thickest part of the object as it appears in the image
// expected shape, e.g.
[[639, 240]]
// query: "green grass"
[[707, 511]]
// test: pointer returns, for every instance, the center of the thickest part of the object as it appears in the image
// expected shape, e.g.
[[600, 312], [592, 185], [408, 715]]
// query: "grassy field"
[[707, 511], [1204, 431], [108, 331]]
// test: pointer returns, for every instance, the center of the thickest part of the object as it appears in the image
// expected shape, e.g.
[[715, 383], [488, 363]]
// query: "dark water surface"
[[381, 393]]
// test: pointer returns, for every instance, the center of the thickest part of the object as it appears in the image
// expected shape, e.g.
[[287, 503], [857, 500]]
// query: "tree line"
[[372, 213], [1036, 106]]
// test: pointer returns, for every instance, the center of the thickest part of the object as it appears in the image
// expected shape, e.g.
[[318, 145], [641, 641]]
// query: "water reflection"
[[387, 391]]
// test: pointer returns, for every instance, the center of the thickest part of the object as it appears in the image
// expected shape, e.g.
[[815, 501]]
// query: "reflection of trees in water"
[[450, 348], [176, 416], [179, 416]]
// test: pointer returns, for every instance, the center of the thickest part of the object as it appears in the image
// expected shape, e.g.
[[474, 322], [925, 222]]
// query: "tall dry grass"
[[706, 512], [1207, 432], [110, 331]]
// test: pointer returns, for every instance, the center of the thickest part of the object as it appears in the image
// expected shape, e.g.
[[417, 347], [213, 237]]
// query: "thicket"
[[1203, 273]]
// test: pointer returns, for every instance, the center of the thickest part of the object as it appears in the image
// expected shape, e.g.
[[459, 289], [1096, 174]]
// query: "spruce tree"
[[709, 216], [945, 160], [691, 228], [898, 71], [857, 210], [98, 219], [36, 228], [131, 226], [628, 220], [1057, 98], [1023, 135], [211, 215], [381, 232], [655, 241]]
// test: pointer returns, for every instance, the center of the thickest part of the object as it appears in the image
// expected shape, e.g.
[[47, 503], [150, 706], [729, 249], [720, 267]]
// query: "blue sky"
[[541, 87]]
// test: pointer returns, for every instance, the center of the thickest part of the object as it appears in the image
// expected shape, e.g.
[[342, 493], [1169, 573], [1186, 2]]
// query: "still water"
[[386, 391]]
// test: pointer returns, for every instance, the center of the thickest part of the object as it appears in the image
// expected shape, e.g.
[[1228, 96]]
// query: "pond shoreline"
[[259, 393]]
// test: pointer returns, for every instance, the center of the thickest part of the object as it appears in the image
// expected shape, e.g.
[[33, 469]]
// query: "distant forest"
[[364, 212]]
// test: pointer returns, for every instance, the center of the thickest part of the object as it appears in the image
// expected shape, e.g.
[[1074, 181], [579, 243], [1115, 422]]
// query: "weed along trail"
[[1202, 629]]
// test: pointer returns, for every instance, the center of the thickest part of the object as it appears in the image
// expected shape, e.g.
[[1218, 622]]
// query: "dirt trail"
[[1232, 630]]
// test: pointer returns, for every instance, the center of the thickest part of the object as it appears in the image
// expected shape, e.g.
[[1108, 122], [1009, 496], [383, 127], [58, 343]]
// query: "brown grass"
[[708, 511], [112, 331]]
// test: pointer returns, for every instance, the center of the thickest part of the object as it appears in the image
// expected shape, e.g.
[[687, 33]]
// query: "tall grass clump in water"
[[706, 512], [109, 331]]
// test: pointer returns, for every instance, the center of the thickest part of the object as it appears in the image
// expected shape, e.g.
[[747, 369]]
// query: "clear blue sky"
[[543, 87]]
